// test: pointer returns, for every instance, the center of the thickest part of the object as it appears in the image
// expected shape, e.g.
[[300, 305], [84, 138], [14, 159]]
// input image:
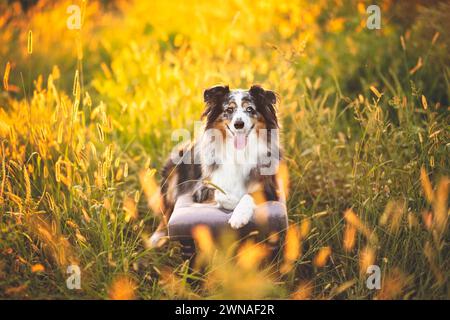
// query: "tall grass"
[[86, 119]]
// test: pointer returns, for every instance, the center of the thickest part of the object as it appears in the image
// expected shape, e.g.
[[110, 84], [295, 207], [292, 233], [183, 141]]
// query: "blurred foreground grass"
[[86, 118]]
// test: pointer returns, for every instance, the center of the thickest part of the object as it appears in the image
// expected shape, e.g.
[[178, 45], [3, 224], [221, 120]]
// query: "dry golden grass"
[[122, 288]]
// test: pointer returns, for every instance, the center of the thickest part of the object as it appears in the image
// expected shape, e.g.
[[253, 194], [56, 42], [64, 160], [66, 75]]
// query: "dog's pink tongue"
[[240, 140]]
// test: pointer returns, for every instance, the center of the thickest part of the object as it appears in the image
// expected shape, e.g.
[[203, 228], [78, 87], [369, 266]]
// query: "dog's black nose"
[[239, 124]]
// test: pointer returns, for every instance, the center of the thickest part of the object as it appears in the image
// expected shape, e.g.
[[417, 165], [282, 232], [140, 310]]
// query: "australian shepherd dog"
[[236, 160]]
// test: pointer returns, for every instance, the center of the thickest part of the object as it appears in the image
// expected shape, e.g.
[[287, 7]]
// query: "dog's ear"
[[263, 96], [213, 98], [215, 94], [264, 102]]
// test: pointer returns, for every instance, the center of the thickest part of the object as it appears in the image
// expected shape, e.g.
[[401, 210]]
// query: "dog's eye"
[[230, 108], [250, 110]]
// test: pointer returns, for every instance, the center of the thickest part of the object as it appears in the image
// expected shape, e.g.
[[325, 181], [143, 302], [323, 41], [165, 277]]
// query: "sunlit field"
[[86, 117]]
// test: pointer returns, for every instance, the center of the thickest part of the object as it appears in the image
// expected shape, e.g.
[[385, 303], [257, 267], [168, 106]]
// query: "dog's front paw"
[[202, 194], [226, 201], [242, 213], [239, 219]]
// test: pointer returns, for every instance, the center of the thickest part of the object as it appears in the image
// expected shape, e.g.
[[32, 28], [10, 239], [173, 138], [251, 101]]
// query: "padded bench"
[[269, 218]]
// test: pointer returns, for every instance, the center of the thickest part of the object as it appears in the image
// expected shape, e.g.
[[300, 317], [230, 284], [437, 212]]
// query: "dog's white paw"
[[242, 213], [226, 201], [157, 240], [239, 219]]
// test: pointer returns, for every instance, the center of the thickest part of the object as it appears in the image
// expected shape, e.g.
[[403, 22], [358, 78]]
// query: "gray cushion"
[[269, 217]]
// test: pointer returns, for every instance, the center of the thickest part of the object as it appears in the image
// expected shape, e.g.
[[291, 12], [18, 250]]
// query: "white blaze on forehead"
[[238, 95]]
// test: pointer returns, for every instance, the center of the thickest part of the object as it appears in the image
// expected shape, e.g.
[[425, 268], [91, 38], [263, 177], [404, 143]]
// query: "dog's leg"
[[202, 194], [227, 201], [243, 212], [159, 237]]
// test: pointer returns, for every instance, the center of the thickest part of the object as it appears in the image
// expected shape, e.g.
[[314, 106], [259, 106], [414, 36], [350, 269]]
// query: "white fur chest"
[[234, 165], [231, 178], [232, 171]]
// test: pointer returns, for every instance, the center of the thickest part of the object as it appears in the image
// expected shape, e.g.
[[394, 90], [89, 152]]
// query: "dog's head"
[[240, 111]]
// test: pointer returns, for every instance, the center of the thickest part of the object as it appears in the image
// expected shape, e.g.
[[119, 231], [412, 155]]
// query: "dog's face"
[[239, 111]]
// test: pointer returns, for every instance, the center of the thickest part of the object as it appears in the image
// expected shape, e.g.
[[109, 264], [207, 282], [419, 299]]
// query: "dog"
[[234, 163]]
